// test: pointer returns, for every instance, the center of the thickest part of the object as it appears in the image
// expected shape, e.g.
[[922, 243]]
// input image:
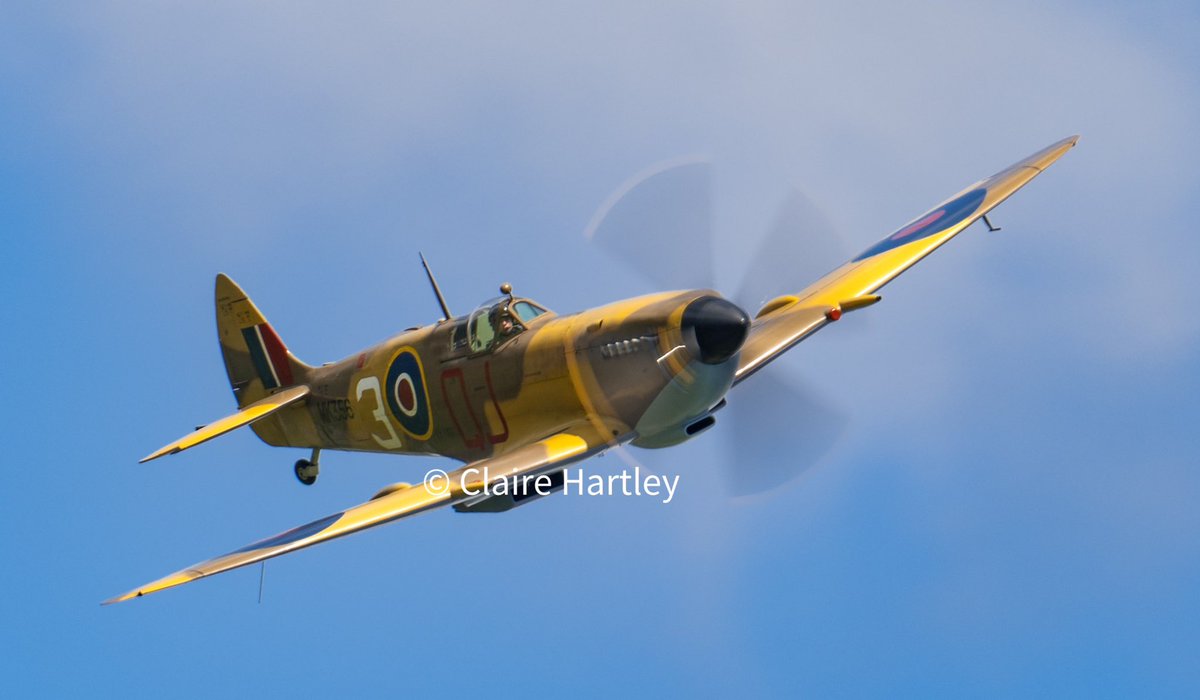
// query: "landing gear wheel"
[[306, 472]]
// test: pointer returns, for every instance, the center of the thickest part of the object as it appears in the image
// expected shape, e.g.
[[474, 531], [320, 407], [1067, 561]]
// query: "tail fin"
[[256, 360]]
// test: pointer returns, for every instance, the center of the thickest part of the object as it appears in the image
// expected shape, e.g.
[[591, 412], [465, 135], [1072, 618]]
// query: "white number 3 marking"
[[371, 384]]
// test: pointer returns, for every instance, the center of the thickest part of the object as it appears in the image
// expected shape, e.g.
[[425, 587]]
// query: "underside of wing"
[[256, 411], [547, 455], [785, 321]]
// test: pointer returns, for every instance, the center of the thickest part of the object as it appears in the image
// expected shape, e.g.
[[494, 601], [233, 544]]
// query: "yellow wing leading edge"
[[548, 455], [787, 320]]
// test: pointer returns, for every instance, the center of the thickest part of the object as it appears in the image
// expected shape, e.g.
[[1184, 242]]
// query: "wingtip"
[[156, 454], [121, 598], [170, 581]]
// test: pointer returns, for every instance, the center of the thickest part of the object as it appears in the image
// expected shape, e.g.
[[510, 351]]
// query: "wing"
[[255, 411], [785, 321], [547, 455]]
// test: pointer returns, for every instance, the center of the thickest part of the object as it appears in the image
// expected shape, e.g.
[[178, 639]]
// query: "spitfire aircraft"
[[515, 390]]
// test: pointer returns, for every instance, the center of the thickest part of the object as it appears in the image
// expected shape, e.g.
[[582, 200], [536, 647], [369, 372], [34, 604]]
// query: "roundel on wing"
[[407, 396], [936, 221]]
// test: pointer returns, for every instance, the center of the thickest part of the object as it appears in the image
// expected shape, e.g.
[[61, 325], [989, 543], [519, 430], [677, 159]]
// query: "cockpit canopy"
[[492, 323]]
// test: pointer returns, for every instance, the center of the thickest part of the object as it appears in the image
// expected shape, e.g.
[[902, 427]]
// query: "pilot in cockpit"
[[506, 326], [495, 322]]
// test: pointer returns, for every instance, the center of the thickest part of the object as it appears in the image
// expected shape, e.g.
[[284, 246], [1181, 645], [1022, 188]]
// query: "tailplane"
[[256, 360]]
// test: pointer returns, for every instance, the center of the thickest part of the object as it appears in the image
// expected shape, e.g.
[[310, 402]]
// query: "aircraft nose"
[[720, 327]]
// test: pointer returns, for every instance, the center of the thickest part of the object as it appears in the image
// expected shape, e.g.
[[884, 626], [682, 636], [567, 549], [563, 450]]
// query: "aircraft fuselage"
[[642, 369]]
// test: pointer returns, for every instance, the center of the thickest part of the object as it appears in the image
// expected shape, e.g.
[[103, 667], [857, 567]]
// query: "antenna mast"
[[437, 291]]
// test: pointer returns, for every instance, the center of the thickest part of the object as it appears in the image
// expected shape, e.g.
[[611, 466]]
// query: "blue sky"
[[1011, 510]]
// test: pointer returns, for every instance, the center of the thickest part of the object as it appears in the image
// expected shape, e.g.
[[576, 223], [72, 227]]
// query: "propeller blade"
[[659, 223], [780, 427], [778, 430], [801, 246]]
